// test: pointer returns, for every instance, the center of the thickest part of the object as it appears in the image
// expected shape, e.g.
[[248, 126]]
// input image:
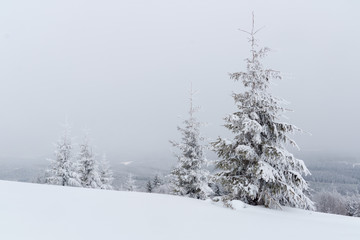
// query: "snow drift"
[[32, 211]]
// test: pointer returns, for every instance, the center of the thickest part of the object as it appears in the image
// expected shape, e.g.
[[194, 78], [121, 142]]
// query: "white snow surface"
[[33, 211]]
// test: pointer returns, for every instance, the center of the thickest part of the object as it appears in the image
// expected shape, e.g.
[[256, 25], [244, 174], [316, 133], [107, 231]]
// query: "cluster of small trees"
[[254, 166], [154, 185], [333, 202], [81, 170]]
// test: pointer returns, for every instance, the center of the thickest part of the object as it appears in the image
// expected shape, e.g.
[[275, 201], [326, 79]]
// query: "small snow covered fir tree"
[[255, 166], [189, 177], [88, 167], [106, 175], [352, 206], [130, 184], [156, 182], [161, 184], [149, 187], [63, 170]]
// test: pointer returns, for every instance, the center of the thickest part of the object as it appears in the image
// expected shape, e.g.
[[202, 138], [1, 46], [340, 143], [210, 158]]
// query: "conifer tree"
[[130, 184], [352, 205], [161, 184], [106, 175], [156, 182], [63, 170], [88, 167], [255, 166], [149, 187], [189, 177]]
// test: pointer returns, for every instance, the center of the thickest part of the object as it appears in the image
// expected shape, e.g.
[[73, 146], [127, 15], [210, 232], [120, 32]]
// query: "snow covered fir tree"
[[255, 166], [130, 183], [88, 167], [189, 177], [156, 183], [149, 187], [106, 174], [63, 170]]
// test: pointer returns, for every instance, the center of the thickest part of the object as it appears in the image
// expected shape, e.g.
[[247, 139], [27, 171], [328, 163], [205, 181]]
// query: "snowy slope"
[[31, 211]]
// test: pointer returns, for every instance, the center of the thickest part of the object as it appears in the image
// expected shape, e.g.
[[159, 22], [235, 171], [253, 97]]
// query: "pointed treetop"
[[66, 130], [192, 93], [252, 32]]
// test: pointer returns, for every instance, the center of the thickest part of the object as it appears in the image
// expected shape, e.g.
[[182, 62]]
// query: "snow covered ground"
[[31, 211]]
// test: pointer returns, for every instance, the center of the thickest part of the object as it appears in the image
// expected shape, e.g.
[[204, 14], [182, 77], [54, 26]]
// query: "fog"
[[123, 70]]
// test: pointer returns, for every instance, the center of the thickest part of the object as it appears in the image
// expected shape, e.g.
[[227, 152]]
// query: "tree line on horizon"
[[81, 170]]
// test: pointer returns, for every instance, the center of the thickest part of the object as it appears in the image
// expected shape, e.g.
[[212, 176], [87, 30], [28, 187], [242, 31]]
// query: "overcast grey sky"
[[123, 70]]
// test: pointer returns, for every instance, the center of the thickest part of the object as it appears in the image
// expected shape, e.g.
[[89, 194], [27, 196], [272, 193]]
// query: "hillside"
[[328, 173], [31, 211]]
